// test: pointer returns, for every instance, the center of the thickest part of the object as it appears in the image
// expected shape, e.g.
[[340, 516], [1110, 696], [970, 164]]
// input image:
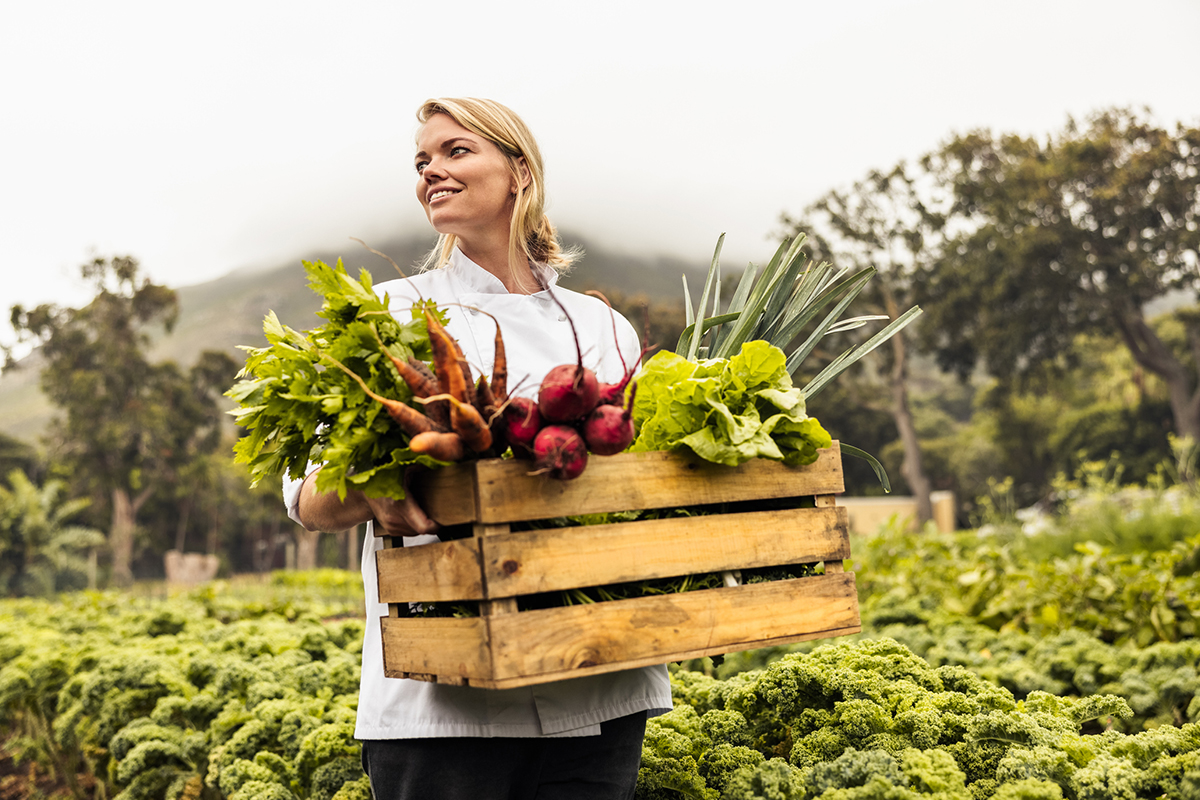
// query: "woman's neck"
[[493, 256]]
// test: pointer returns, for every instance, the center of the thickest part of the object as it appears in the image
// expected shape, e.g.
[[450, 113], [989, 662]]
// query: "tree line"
[[1038, 262]]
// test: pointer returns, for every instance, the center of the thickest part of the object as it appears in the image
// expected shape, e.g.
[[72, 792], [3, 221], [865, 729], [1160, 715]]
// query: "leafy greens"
[[297, 406], [727, 411]]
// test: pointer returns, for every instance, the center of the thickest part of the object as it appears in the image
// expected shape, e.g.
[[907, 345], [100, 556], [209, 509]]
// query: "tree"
[[37, 545], [1073, 235], [883, 221], [129, 426]]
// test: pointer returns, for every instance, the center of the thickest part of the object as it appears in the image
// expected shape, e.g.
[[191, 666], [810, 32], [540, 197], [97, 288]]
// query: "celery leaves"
[[296, 406]]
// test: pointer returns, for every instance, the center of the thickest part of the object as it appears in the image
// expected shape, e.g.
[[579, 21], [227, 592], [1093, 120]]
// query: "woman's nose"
[[434, 170]]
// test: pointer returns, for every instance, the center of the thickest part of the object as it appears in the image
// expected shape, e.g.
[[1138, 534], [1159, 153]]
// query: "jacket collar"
[[478, 280]]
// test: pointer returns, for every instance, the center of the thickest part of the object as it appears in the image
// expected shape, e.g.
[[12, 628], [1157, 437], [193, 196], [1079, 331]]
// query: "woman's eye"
[[421, 166], [456, 150]]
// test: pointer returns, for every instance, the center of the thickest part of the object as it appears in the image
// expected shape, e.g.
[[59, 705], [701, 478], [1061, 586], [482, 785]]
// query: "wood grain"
[[596, 555], [655, 630], [504, 491], [430, 573], [436, 646]]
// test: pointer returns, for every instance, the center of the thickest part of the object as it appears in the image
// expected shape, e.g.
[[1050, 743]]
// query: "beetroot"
[[561, 451], [609, 428], [568, 392], [521, 423], [614, 393]]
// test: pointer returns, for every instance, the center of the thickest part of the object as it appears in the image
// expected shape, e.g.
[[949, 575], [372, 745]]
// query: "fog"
[[207, 138]]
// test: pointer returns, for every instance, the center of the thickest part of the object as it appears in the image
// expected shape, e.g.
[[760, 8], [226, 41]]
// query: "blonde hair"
[[531, 236]]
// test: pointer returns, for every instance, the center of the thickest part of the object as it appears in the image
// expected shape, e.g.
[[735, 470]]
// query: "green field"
[[993, 663]]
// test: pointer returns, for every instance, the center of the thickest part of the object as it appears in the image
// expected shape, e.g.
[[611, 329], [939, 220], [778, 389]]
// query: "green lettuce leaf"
[[727, 411]]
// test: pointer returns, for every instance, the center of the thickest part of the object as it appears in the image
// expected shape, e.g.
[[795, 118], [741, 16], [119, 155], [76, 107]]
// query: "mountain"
[[224, 313]]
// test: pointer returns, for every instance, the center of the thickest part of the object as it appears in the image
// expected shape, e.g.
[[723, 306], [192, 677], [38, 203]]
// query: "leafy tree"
[[888, 222], [38, 546], [15, 454], [129, 426], [1074, 234]]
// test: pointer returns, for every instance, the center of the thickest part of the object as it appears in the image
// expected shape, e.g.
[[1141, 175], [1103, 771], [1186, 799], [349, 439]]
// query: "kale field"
[[1053, 658]]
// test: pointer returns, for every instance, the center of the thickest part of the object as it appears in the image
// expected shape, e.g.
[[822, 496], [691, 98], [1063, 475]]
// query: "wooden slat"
[[595, 555], [506, 492], [430, 573], [561, 642], [448, 494], [437, 646], [504, 605], [532, 680]]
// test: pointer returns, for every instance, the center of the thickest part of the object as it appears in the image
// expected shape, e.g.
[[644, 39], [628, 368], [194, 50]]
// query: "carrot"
[[442, 446], [447, 359], [408, 418], [466, 422], [499, 364], [485, 400], [421, 382], [438, 411], [499, 360], [423, 369], [470, 425]]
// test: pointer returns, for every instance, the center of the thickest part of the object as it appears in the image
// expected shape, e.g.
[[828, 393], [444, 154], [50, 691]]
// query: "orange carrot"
[[499, 365], [485, 401], [438, 411], [466, 422], [408, 418], [470, 425], [423, 369], [447, 359], [442, 446], [499, 361], [421, 382]]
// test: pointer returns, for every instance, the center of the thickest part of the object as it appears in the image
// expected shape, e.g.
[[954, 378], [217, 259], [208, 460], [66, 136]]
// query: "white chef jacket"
[[537, 337]]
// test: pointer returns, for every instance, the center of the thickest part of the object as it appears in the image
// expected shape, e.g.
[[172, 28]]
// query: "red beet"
[[521, 424], [560, 451], [568, 392], [614, 393], [609, 429]]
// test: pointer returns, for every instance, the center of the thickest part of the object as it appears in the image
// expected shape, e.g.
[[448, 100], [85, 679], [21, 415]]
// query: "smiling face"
[[464, 181]]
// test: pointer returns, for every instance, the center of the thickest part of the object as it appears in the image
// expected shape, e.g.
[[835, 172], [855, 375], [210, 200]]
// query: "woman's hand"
[[402, 517], [325, 512]]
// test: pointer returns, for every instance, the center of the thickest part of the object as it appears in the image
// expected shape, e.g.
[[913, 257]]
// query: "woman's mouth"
[[442, 193]]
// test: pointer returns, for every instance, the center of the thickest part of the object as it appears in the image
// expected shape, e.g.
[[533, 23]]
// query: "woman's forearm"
[[324, 511]]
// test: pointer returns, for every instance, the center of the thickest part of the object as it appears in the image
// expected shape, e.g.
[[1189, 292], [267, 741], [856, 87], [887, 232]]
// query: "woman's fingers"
[[402, 517]]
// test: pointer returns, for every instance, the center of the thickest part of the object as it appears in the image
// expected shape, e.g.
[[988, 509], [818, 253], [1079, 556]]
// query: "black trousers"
[[600, 767]]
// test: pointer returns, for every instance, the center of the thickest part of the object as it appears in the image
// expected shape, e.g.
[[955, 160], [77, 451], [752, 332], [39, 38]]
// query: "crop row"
[[223, 694]]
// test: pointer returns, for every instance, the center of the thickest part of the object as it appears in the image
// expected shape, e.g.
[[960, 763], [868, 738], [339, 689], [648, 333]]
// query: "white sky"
[[204, 137]]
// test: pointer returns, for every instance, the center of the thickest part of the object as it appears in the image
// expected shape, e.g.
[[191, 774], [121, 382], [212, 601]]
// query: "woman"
[[480, 181]]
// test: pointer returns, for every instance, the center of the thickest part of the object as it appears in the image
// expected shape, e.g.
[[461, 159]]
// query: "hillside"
[[224, 313]]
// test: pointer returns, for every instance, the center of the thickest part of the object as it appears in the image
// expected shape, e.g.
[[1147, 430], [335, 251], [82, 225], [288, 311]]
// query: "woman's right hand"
[[402, 517]]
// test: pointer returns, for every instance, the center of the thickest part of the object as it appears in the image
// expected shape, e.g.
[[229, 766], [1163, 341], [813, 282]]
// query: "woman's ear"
[[523, 177]]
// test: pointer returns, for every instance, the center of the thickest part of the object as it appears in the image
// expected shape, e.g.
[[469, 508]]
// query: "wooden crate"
[[504, 647]]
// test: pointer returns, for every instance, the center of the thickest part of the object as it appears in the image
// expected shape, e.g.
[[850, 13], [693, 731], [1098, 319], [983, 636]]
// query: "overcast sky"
[[205, 137]]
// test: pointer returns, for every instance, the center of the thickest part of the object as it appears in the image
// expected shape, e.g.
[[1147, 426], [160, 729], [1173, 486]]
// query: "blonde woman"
[[480, 179]]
